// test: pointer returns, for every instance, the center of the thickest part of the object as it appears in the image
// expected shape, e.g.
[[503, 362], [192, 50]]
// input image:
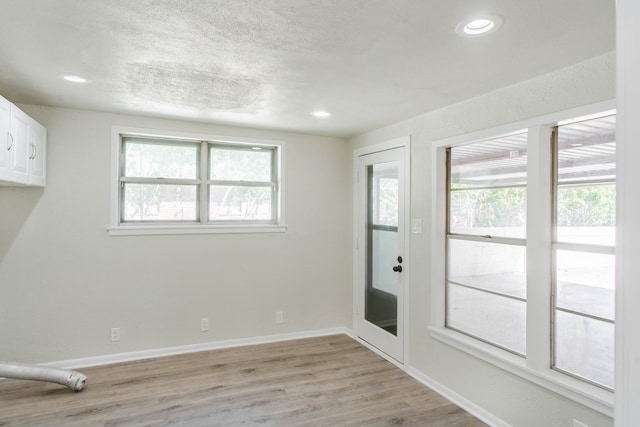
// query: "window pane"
[[495, 267], [585, 282], [586, 194], [487, 193], [153, 202], [585, 347], [237, 203], [496, 212], [493, 318], [384, 197], [144, 159], [384, 248], [587, 214], [587, 150], [482, 276], [495, 162], [233, 164]]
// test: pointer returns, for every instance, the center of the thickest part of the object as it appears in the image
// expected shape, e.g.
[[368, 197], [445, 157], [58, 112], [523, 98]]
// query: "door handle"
[[397, 269]]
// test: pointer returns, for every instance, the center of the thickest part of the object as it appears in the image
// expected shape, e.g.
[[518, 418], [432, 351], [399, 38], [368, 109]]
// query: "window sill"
[[593, 397], [153, 230]]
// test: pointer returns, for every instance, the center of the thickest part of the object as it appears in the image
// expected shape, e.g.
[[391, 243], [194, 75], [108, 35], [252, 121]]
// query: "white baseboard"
[[183, 349], [454, 397]]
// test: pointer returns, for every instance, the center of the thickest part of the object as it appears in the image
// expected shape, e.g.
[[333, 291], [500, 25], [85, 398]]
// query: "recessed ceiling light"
[[479, 26], [74, 78], [321, 114]]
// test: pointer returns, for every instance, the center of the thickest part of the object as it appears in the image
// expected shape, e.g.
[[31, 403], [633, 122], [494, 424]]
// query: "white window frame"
[[118, 228], [536, 366]]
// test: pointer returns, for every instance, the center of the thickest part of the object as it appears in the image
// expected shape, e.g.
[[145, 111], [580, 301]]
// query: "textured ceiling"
[[269, 63]]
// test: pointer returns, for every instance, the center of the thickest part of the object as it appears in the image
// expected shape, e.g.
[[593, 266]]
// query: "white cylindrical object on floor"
[[22, 371]]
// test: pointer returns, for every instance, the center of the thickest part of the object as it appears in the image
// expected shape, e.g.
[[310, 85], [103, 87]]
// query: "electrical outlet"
[[204, 324], [577, 423], [279, 317], [115, 334]]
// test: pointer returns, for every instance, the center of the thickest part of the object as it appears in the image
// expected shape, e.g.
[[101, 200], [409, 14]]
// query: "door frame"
[[401, 142]]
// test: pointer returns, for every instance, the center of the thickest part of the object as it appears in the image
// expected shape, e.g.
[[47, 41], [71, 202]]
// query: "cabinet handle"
[[9, 145], [33, 154]]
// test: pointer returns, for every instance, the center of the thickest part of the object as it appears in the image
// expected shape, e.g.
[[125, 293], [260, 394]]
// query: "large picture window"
[[525, 252], [173, 183]]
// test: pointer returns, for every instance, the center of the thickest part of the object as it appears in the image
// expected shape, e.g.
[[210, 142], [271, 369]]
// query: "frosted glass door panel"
[[384, 253]]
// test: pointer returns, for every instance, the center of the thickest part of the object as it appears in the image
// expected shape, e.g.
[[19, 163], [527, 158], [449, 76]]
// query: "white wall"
[[508, 397], [64, 282]]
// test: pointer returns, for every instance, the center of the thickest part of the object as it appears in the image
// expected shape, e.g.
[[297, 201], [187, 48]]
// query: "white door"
[[381, 260]]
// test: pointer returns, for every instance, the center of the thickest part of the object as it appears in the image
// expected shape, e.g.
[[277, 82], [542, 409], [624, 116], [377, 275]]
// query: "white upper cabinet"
[[38, 154], [23, 147], [5, 137], [19, 150]]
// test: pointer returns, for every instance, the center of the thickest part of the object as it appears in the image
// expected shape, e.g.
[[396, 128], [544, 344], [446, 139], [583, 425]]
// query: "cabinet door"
[[5, 137], [20, 150], [38, 154]]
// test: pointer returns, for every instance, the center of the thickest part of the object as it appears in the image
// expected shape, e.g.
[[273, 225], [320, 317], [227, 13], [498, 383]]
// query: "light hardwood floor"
[[326, 381]]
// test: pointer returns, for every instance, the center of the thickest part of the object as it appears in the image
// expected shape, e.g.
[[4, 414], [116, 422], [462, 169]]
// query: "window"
[[174, 184], [583, 249], [524, 250], [486, 246], [159, 180], [242, 183]]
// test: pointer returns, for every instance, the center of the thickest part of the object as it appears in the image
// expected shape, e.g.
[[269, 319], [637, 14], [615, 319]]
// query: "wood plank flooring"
[[326, 381]]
